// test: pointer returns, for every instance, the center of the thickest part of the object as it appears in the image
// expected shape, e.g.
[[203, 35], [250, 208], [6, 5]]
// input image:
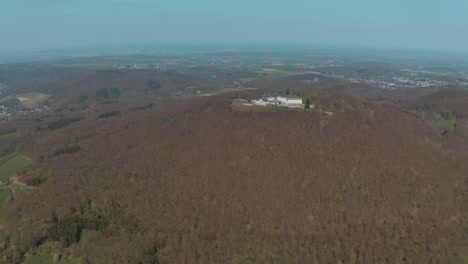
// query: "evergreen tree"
[[307, 104]]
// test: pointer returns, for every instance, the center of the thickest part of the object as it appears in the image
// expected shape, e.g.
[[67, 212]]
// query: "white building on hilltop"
[[291, 101]]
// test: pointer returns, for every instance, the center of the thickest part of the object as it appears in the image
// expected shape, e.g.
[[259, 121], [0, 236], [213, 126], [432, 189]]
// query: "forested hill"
[[210, 181]]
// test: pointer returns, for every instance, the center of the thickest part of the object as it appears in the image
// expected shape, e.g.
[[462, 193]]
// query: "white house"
[[291, 101]]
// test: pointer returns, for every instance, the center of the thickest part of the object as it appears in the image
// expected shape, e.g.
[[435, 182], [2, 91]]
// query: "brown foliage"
[[203, 182]]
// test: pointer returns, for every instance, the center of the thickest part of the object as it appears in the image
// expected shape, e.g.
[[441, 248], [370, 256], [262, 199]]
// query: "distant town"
[[204, 74], [8, 112]]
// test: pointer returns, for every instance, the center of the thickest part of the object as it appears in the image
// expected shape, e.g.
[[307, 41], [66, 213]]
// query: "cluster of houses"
[[291, 101]]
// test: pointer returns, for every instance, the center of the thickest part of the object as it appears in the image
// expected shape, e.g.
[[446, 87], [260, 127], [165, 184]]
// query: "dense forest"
[[208, 180]]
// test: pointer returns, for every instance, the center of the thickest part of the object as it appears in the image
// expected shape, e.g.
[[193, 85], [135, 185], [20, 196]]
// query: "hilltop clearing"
[[31, 99]]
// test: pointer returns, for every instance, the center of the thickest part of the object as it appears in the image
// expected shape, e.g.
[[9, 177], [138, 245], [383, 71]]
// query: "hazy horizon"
[[399, 25]]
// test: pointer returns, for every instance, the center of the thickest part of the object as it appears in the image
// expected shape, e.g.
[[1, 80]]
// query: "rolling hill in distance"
[[156, 159]]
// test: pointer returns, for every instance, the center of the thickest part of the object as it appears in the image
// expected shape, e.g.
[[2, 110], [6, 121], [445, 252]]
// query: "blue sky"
[[386, 24]]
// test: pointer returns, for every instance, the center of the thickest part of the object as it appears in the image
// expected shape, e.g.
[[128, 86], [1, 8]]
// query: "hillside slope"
[[206, 181], [447, 108]]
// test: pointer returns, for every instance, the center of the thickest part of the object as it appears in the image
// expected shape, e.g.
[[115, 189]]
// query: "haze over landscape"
[[235, 132], [415, 24]]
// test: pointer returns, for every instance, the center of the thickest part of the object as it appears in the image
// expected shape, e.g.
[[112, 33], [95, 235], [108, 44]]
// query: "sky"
[[377, 24]]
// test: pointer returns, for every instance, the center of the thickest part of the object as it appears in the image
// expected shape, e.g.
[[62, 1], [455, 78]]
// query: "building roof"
[[290, 96]]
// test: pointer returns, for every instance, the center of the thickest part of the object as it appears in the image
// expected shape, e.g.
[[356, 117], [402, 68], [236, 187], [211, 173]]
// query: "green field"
[[48, 259], [277, 72], [445, 124], [39, 259], [27, 99], [245, 80], [9, 135], [10, 193], [10, 164]]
